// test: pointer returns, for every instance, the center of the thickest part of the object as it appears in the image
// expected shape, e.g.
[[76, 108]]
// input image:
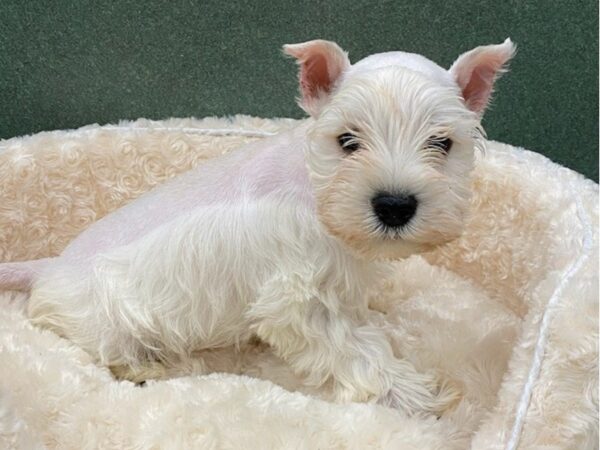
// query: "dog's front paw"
[[420, 395]]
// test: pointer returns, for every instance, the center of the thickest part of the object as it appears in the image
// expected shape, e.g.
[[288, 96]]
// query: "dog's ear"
[[476, 71], [321, 64]]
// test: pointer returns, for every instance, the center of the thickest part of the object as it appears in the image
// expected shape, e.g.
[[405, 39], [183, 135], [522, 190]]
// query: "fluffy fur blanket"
[[471, 312]]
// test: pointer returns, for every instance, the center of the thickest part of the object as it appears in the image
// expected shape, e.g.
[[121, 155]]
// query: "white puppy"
[[281, 239]]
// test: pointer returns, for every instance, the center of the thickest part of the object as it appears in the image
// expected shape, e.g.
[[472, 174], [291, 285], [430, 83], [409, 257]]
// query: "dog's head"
[[392, 143]]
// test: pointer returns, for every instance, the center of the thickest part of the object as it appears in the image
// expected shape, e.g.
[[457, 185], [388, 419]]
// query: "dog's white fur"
[[280, 240]]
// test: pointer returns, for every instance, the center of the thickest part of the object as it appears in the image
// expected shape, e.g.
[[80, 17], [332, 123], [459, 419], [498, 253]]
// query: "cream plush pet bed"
[[523, 276]]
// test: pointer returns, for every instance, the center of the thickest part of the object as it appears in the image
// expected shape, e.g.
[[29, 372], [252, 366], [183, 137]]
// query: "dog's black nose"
[[394, 210]]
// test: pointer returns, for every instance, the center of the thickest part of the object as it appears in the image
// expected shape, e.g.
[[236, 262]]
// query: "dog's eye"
[[443, 144], [348, 142]]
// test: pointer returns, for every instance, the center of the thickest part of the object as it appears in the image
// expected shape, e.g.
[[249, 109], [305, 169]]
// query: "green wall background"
[[67, 63]]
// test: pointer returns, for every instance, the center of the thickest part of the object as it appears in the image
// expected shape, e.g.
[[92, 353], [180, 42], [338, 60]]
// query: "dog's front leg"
[[314, 335]]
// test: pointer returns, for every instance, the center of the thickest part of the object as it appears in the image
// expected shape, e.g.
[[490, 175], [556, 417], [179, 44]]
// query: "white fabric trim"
[[204, 131], [538, 355]]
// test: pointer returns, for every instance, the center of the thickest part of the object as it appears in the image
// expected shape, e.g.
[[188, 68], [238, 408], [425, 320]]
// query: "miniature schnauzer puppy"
[[285, 238]]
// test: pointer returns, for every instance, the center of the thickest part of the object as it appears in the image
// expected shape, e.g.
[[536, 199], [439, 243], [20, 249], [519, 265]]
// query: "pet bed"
[[507, 314]]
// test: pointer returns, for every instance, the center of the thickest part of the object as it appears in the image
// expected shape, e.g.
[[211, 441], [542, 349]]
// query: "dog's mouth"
[[394, 244]]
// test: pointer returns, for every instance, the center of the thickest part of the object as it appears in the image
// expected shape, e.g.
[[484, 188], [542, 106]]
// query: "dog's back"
[[273, 165]]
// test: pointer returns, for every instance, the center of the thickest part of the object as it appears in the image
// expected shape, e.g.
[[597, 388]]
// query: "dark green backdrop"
[[68, 63]]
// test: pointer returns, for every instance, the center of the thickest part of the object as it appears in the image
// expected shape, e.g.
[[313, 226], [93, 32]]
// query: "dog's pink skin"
[[20, 275], [272, 166]]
